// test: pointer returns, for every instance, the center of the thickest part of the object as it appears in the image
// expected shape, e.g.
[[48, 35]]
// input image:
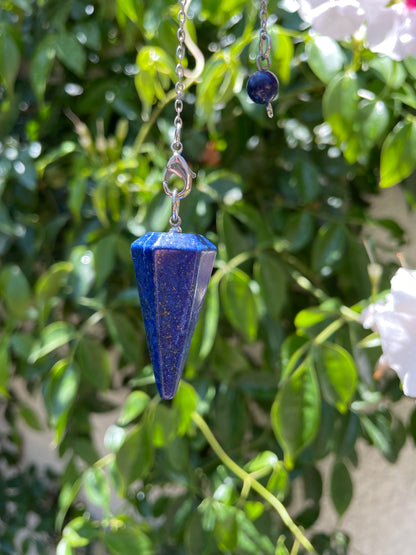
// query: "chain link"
[[265, 43], [177, 165], [176, 146]]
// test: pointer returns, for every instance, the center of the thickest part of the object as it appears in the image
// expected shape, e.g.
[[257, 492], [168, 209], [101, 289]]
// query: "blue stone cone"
[[172, 273]]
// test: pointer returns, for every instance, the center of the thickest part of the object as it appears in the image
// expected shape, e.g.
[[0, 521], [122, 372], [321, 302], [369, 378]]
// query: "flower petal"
[[409, 384], [398, 341], [403, 290]]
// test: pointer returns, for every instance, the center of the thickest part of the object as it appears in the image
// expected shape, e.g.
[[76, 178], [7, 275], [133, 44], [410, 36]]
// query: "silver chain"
[[265, 43], [176, 146], [177, 165]]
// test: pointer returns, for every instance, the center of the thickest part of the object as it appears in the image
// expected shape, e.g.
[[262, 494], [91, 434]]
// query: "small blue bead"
[[262, 87]]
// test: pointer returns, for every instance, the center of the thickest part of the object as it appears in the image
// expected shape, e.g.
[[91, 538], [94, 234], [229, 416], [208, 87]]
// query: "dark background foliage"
[[86, 119]]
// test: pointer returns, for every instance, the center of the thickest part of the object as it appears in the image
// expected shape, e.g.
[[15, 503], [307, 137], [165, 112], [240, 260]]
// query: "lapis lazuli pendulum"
[[172, 269], [172, 272], [263, 86]]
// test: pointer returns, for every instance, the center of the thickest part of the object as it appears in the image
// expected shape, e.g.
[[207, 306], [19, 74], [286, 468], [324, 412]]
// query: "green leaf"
[[263, 461], [292, 354], [340, 105], [325, 57], [338, 375], [133, 407], [91, 32], [279, 482], [254, 509], [135, 457], [67, 495], [114, 437], [128, 540], [104, 256], [52, 337], [341, 487], [41, 65], [226, 529], [296, 411], [328, 248], [156, 72], [207, 327], [15, 291], [125, 336], [306, 180], [373, 119], [386, 432], [49, 283], [236, 239], [239, 303], [97, 488], [410, 64], [60, 393], [250, 541], [298, 230], [272, 278], [29, 415], [71, 54], [94, 362], [5, 366], [83, 273], [282, 52], [133, 9], [164, 425], [185, 401], [63, 548], [80, 532], [391, 72], [217, 83], [77, 192], [398, 154], [9, 56], [310, 317], [198, 539], [281, 548], [226, 494]]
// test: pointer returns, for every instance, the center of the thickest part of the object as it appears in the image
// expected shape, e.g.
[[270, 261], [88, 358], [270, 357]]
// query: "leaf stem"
[[230, 265], [247, 478], [328, 331]]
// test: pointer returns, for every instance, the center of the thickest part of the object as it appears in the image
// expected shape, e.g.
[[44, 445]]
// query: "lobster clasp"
[[177, 166]]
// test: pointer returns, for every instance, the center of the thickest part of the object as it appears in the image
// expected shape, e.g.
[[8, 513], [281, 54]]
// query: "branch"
[[247, 478]]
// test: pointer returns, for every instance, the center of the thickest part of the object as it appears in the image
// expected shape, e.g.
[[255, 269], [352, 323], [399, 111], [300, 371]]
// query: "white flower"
[[395, 320], [335, 19], [391, 30]]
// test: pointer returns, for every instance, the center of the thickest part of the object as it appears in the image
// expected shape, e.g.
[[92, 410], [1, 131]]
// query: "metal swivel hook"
[[177, 166]]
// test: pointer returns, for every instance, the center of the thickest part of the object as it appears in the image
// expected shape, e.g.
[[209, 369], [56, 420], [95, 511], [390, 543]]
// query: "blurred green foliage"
[[276, 366]]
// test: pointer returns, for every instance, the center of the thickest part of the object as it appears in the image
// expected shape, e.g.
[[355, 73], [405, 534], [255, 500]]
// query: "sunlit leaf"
[[325, 57], [185, 401], [134, 405], [52, 337], [337, 374], [398, 154]]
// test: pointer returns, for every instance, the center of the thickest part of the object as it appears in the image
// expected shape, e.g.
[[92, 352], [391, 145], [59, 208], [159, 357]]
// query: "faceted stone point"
[[172, 273], [262, 87]]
